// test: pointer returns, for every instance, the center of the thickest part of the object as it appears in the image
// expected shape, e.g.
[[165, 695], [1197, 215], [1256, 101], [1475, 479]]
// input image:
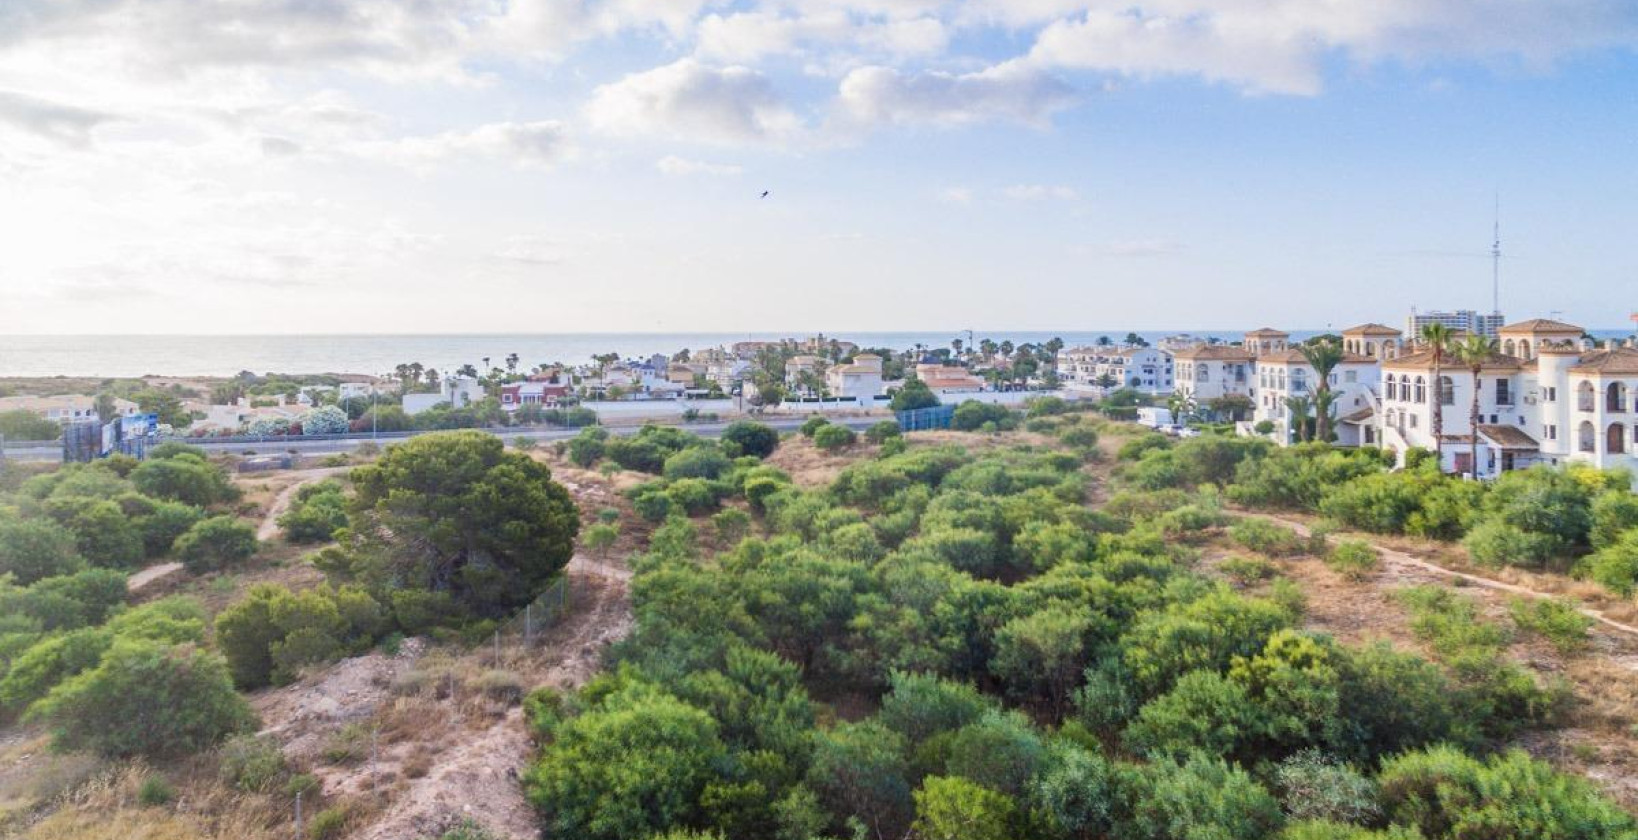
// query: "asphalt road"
[[297, 444]]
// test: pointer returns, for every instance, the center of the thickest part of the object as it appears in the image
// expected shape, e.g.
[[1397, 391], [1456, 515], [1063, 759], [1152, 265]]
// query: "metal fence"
[[540, 614], [920, 419]]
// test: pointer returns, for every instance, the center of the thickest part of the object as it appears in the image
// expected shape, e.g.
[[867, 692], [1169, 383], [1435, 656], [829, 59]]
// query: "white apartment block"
[[1287, 374], [1461, 320], [1553, 399], [1146, 369], [861, 380], [1206, 372]]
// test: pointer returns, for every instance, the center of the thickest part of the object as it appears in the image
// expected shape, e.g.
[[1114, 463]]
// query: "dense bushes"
[[743, 437], [35, 549], [216, 543], [972, 416], [316, 513], [831, 437], [149, 700], [951, 592], [272, 633]]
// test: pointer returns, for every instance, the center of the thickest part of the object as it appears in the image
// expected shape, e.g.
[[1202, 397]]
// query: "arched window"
[[1421, 390], [1447, 391], [1587, 439], [1615, 397], [1586, 396], [1509, 347], [1615, 440]]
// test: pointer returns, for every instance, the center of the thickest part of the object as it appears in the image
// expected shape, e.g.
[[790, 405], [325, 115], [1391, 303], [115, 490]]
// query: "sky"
[[325, 166]]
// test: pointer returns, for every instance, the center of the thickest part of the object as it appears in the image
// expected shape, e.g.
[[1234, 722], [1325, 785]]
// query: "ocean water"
[[197, 355]]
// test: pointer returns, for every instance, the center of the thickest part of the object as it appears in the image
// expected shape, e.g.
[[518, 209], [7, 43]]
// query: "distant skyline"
[[568, 166]]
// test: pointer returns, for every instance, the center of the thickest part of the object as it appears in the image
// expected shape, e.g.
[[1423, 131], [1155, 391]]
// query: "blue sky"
[[566, 165]]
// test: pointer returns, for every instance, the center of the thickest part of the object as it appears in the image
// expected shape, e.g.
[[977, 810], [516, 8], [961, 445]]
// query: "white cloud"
[[52, 121], [1143, 248], [1282, 46], [691, 101], [530, 250], [1040, 192], [748, 36], [673, 165], [884, 95], [536, 144], [956, 195]]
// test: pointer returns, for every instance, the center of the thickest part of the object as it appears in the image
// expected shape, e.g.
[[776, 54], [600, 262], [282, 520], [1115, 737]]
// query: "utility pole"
[[1495, 261]]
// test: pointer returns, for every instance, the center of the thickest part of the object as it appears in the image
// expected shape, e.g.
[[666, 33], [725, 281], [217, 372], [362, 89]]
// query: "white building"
[[1287, 373], [1209, 371], [64, 408], [1145, 369], [1557, 401], [1460, 320], [458, 391], [861, 380]]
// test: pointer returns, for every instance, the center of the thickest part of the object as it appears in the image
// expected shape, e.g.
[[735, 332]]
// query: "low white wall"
[[615, 409]]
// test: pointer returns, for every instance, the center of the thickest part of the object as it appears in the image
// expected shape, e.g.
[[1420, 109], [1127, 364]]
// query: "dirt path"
[[1394, 556], [476, 778], [281, 503], [136, 582]]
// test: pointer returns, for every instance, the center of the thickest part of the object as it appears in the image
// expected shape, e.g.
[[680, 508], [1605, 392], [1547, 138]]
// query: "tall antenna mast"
[[1495, 261]]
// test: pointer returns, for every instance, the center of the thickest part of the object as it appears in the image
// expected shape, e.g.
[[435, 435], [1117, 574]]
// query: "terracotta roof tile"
[[1547, 325], [1621, 361]]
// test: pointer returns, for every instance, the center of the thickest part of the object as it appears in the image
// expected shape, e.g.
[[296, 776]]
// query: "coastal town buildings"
[[1145, 369], [65, 408], [1460, 320], [860, 380]]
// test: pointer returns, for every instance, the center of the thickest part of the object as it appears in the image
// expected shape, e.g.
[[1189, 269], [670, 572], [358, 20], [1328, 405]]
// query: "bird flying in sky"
[[764, 194]]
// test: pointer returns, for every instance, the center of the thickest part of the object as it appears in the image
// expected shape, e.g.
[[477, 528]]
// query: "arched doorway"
[[1587, 437], [1615, 439]]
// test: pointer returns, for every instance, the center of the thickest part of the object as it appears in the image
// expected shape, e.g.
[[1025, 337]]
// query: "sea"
[[378, 355]]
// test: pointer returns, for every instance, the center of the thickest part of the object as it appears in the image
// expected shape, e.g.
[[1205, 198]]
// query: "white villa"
[[1206, 372], [1554, 399], [861, 380], [1287, 373], [64, 408]]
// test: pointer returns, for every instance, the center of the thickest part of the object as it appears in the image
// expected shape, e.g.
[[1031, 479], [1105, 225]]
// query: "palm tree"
[[1299, 415], [1323, 356], [1474, 352], [1439, 338]]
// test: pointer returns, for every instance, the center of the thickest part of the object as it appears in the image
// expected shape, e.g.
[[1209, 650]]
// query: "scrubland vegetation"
[[950, 643], [1046, 627]]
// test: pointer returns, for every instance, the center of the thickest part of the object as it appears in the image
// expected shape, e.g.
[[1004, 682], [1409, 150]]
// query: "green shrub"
[[1175, 801], [732, 524], [694, 496], [1313, 786], [882, 431], [1247, 570], [653, 504], [1614, 513], [587, 447], [973, 415], [813, 424], [216, 543], [164, 523], [329, 824], [1447, 794], [744, 437], [316, 513], [1266, 537], [250, 763], [1494, 542], [185, 478], [155, 791], [699, 462], [37, 548], [1615, 566], [1353, 559], [831, 437], [182, 696], [1559, 621]]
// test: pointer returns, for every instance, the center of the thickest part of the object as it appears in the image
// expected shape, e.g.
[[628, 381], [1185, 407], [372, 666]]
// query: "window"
[[1588, 436], [1586, 398], [1350, 376], [1504, 392], [1615, 397], [1421, 390], [1549, 431], [1413, 421], [1549, 395]]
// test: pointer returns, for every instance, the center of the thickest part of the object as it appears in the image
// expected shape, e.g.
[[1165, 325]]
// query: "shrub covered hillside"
[[950, 644], [105, 677], [1576, 520], [445, 533]]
